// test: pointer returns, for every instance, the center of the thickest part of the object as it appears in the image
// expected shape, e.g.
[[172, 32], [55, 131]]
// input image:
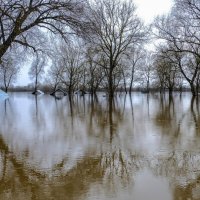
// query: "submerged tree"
[[180, 31], [95, 73], [55, 75], [146, 71], [36, 71], [8, 72], [135, 60], [167, 70], [71, 60], [115, 28]]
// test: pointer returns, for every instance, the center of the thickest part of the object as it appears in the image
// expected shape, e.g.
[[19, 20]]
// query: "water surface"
[[147, 147]]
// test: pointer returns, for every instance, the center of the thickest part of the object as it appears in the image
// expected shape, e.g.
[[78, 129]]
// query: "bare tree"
[[37, 70], [167, 69], [115, 28], [180, 31], [135, 58], [20, 18], [125, 74], [8, 72], [72, 62], [95, 73], [55, 75], [146, 71]]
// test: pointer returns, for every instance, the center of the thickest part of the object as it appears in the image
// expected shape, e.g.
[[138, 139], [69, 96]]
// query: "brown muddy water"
[[146, 148]]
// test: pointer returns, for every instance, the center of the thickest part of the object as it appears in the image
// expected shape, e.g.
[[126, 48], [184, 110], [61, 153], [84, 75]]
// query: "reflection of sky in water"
[[47, 138], [156, 139], [46, 129]]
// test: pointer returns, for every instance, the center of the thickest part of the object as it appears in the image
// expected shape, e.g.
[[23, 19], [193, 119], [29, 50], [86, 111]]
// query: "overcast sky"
[[146, 9]]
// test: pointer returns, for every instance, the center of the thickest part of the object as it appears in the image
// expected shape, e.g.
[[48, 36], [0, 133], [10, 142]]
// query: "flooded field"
[[147, 147]]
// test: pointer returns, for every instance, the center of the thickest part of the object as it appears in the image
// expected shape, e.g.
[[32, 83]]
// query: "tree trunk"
[[148, 84], [111, 117], [36, 84], [131, 84], [70, 90], [132, 75], [110, 85], [124, 82], [193, 90], [170, 90]]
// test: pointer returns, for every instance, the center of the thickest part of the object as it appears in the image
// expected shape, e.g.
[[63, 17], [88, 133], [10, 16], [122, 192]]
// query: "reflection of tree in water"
[[6, 109], [22, 180], [166, 114], [67, 185], [195, 111], [99, 118], [89, 170], [182, 170], [37, 114], [19, 181], [169, 118], [190, 190], [109, 163], [179, 120], [16, 178]]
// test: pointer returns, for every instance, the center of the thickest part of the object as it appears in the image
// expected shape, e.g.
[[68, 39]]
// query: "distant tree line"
[[100, 44]]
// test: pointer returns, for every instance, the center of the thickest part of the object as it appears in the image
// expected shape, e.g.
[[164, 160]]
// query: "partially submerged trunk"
[[110, 85]]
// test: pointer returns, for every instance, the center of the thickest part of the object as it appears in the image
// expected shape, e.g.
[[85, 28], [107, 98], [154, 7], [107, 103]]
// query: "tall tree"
[[115, 28]]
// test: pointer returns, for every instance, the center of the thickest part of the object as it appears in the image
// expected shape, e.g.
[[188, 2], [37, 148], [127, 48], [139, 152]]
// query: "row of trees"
[[101, 44], [180, 46]]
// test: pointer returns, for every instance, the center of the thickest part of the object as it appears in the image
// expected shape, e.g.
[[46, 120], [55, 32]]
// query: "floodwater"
[[146, 147]]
